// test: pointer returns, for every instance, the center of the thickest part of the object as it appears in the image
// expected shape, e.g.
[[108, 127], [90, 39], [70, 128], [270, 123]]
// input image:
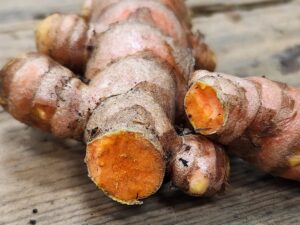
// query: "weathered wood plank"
[[43, 173], [227, 2], [40, 172], [258, 42], [213, 6], [12, 10]]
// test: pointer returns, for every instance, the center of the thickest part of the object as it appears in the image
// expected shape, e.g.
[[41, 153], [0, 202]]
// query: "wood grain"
[[256, 42], [207, 7], [40, 172]]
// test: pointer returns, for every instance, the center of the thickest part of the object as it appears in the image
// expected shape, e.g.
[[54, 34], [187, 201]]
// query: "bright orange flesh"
[[126, 166], [204, 109]]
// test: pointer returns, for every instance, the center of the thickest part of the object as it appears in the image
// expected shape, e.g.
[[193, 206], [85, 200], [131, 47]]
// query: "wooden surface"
[[40, 172]]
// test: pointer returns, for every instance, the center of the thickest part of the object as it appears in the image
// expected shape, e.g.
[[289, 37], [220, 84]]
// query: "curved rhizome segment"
[[200, 168], [140, 114], [137, 60], [260, 119], [136, 127]]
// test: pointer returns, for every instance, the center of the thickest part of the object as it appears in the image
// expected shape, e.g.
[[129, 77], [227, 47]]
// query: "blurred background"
[[44, 180]]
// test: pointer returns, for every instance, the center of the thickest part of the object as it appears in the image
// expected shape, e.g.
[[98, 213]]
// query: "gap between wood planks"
[[209, 9]]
